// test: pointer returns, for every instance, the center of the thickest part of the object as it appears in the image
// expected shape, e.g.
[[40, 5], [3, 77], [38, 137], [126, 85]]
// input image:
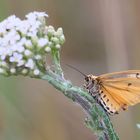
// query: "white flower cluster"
[[24, 44]]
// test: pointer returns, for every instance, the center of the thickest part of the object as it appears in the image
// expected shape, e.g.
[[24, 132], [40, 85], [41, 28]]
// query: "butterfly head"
[[90, 77], [91, 83]]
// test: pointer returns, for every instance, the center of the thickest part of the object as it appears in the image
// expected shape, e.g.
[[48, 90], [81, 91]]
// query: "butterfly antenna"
[[76, 70]]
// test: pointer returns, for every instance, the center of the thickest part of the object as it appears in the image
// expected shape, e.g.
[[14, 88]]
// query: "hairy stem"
[[98, 121]]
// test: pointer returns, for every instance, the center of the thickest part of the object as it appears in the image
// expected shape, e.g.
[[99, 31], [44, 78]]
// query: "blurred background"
[[101, 36]]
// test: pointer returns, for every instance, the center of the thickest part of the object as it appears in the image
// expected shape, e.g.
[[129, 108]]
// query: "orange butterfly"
[[114, 91]]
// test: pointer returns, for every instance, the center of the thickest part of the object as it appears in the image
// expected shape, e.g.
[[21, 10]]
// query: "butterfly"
[[114, 91]]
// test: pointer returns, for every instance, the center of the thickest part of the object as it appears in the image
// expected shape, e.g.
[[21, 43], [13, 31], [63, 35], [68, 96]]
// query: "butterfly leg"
[[95, 94]]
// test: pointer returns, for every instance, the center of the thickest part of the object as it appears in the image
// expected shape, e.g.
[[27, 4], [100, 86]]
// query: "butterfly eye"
[[87, 79], [93, 81]]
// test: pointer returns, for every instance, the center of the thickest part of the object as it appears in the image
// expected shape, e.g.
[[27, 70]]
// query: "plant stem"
[[98, 121], [56, 61]]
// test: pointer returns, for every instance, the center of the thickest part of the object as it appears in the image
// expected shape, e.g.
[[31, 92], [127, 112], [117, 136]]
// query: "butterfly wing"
[[120, 90], [121, 74]]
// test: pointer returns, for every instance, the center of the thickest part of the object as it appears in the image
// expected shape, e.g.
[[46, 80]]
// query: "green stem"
[[56, 60], [98, 121]]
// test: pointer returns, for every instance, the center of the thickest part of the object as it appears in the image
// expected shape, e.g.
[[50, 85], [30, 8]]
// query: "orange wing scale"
[[120, 90]]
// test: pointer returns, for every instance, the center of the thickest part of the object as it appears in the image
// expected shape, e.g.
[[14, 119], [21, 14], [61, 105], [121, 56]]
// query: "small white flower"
[[57, 46], [23, 27], [32, 34], [16, 57], [28, 44], [3, 27], [13, 70], [62, 39], [24, 71], [36, 72], [30, 64], [47, 49], [17, 37], [50, 43], [27, 52], [55, 40], [20, 63], [2, 70], [12, 22], [34, 26], [3, 57], [59, 32], [42, 42], [38, 57], [3, 53], [34, 15], [14, 39], [22, 41], [50, 30], [18, 47], [3, 64], [11, 35]]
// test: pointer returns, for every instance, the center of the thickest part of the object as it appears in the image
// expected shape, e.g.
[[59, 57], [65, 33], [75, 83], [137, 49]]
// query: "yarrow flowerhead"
[[24, 44]]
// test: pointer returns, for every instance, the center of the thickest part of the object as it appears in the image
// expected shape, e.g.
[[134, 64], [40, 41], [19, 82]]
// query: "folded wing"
[[120, 90]]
